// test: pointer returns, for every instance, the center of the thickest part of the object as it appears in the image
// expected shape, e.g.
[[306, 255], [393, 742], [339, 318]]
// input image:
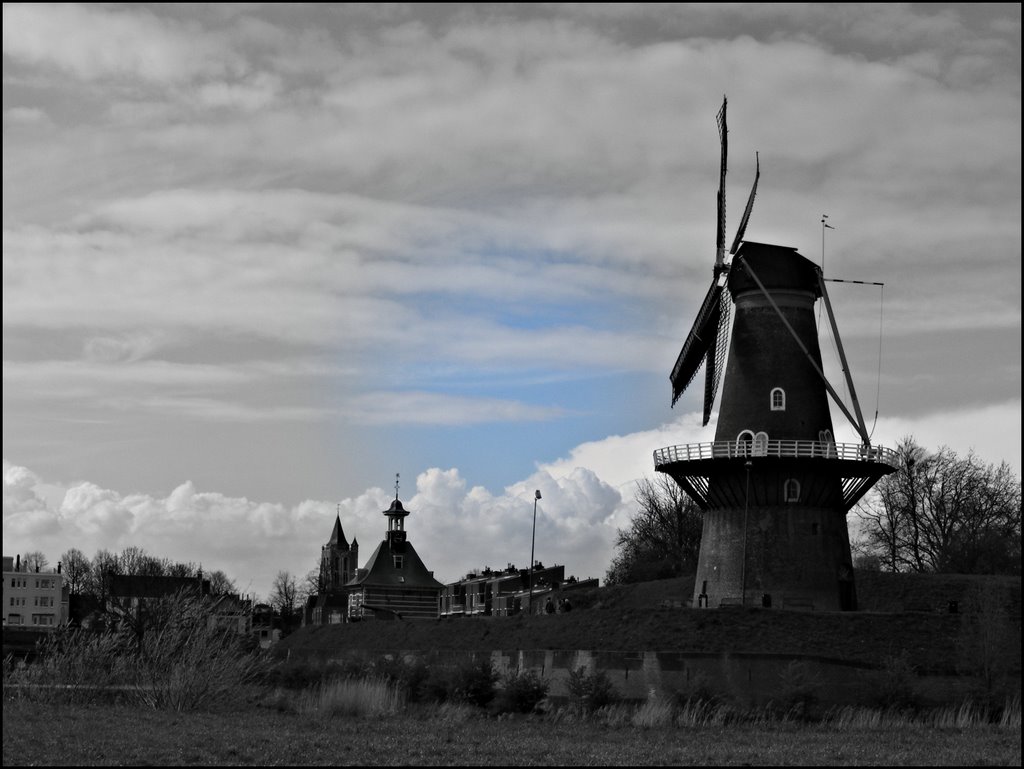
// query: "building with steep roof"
[[339, 563], [395, 584], [338, 559]]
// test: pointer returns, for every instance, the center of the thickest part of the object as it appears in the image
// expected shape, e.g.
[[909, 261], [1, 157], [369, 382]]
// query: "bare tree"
[[136, 562], [105, 564], [179, 569], [310, 585], [663, 539], [220, 583], [944, 513], [34, 561], [284, 594], [76, 569]]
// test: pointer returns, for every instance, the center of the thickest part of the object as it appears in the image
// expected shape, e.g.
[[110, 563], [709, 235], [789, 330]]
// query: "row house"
[[35, 600], [510, 591]]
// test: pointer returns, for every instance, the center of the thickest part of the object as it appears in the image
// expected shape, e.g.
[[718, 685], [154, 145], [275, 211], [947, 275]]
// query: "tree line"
[[939, 512], [85, 576], [942, 513]]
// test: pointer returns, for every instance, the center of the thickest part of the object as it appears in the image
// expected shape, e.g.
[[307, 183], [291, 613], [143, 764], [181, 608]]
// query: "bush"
[[590, 691], [799, 689], [469, 682], [521, 692], [179, 659], [898, 688], [410, 675]]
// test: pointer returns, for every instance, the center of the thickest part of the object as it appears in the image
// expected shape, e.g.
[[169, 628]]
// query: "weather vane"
[[396, 485]]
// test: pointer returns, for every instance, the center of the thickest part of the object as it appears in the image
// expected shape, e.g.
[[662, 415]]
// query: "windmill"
[[774, 486]]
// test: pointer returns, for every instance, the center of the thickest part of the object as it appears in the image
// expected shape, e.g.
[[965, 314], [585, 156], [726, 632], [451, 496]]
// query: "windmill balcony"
[[774, 448], [712, 473]]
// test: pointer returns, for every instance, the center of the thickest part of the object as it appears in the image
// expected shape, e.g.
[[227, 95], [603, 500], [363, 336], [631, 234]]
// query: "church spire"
[[338, 535]]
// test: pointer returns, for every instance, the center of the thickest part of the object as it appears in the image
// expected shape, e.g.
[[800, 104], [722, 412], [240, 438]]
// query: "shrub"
[[521, 692], [799, 689], [469, 682], [178, 659], [590, 691], [697, 690], [408, 674], [898, 686]]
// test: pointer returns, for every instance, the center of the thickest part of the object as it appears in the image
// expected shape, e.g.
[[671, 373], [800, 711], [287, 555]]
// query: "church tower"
[[338, 559]]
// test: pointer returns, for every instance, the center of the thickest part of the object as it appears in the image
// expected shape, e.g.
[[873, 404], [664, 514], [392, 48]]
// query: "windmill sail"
[[723, 134], [716, 355], [702, 336], [746, 212], [708, 340]]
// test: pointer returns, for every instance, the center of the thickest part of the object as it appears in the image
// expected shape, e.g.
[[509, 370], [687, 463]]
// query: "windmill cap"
[[777, 267]]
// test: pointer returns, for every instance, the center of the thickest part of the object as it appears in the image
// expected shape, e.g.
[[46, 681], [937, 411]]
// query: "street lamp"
[[533, 538], [743, 563]]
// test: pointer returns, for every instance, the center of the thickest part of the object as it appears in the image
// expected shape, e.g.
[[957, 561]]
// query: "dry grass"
[[354, 698], [46, 734]]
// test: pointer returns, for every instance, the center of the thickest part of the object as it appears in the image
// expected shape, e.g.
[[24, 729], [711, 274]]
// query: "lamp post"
[[743, 562], [533, 538]]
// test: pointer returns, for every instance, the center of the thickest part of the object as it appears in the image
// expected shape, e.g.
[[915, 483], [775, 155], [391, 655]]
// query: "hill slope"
[[631, 618]]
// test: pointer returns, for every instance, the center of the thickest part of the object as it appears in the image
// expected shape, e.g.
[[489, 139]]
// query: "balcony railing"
[[774, 448]]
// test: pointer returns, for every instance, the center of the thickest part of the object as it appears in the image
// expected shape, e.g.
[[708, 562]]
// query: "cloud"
[[99, 43], [351, 225], [585, 498]]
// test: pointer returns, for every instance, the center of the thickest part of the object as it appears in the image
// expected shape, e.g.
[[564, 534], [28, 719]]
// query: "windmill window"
[[778, 399], [761, 444], [399, 561], [792, 490]]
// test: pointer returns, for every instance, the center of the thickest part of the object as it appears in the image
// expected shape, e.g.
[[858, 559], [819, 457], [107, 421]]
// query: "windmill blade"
[[701, 338], [723, 135], [746, 212], [716, 355]]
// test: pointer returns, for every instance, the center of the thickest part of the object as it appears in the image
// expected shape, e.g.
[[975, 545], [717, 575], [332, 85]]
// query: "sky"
[[259, 259]]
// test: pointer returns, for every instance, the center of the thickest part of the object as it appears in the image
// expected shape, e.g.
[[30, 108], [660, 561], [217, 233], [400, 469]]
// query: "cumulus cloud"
[[455, 529], [455, 526]]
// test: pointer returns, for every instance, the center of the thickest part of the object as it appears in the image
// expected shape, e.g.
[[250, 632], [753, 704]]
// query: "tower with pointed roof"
[[338, 559], [339, 562]]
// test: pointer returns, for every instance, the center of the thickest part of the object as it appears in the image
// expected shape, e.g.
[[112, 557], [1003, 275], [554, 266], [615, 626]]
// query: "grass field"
[[296, 709], [110, 735]]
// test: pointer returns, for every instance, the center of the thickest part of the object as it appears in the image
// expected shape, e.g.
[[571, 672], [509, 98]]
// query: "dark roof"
[[122, 586], [778, 267], [338, 535], [396, 508], [381, 571]]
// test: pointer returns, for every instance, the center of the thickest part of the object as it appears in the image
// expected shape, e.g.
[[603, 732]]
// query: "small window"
[[792, 490], [399, 561], [761, 444], [778, 399], [814, 529]]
